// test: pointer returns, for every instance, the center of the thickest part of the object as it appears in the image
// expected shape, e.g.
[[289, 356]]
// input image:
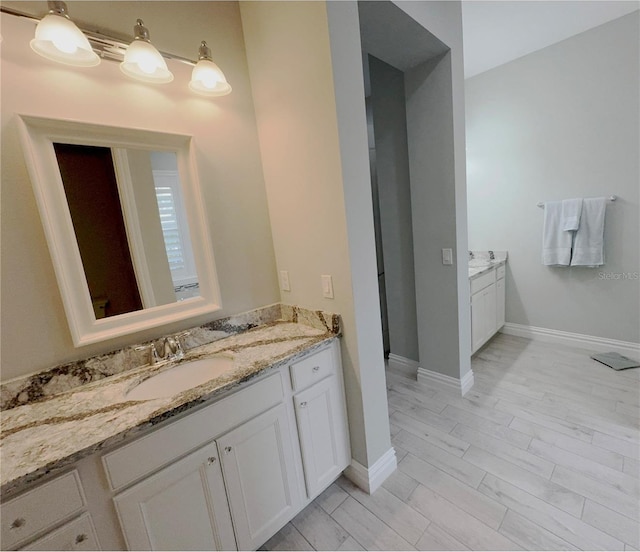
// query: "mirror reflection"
[[131, 227]]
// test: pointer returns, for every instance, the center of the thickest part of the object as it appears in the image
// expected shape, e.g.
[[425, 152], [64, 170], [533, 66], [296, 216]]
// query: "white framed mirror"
[[124, 220]]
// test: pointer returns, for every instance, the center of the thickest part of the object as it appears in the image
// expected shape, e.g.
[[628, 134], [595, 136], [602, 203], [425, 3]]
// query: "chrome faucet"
[[166, 349], [172, 348]]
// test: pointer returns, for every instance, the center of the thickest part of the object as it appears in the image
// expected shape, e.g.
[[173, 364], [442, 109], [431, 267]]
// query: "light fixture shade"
[[208, 79], [142, 61], [58, 39]]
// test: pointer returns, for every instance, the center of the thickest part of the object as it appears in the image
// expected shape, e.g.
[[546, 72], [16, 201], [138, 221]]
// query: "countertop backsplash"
[[39, 386]]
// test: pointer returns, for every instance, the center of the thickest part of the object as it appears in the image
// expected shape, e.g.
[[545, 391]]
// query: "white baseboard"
[[466, 382], [591, 342], [429, 377], [369, 479], [403, 364]]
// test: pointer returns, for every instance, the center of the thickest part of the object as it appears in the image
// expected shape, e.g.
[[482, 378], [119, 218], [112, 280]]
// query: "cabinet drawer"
[[41, 508], [483, 281], [500, 272], [147, 454], [309, 370], [78, 534]]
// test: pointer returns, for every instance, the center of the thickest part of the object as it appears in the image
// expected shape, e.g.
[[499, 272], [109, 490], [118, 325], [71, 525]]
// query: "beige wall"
[[289, 52], [35, 335]]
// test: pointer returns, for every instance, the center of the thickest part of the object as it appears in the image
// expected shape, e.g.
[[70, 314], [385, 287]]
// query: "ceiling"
[[496, 32]]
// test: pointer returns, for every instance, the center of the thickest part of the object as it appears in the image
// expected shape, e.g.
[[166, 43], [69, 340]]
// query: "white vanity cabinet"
[[78, 534], [487, 306], [322, 419], [182, 507], [248, 459], [238, 488], [500, 298], [259, 469], [225, 476], [41, 512], [190, 505]]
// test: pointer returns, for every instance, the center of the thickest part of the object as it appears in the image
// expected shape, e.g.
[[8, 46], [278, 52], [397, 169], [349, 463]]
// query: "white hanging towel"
[[588, 249], [571, 211], [556, 243]]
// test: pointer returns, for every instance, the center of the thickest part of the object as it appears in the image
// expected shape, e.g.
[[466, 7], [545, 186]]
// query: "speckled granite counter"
[[474, 272], [43, 436], [485, 262]]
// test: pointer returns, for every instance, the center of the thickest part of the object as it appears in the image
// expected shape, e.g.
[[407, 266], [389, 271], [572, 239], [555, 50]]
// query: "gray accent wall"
[[431, 33], [431, 161], [394, 193], [559, 123]]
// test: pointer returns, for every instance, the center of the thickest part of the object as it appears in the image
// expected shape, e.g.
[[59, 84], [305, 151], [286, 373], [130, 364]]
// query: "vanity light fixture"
[[142, 61], [57, 38], [207, 78]]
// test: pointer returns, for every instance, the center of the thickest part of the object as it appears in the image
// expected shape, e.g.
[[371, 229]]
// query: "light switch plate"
[[285, 285], [327, 286], [447, 256]]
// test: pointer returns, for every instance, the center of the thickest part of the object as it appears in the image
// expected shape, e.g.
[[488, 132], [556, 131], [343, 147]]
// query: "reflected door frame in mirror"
[[38, 135]]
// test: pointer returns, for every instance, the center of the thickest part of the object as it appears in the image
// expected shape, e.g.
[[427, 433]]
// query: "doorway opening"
[[397, 71]]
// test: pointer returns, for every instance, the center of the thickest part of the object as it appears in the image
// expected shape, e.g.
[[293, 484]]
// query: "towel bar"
[[610, 198]]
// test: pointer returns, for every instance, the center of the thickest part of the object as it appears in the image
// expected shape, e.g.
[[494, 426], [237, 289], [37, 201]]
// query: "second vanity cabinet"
[[487, 306], [230, 475]]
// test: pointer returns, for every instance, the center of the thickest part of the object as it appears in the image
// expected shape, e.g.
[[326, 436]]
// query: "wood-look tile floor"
[[542, 454]]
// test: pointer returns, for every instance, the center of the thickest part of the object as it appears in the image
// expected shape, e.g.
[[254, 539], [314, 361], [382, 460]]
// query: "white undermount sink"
[[180, 378]]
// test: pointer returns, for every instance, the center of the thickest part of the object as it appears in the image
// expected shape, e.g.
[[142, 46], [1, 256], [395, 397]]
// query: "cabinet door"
[[78, 534], [490, 312], [500, 303], [477, 320], [182, 507], [259, 470], [322, 428]]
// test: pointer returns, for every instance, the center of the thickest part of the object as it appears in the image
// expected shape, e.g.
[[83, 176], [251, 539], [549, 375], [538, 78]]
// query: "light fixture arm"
[[140, 32], [204, 52], [57, 7]]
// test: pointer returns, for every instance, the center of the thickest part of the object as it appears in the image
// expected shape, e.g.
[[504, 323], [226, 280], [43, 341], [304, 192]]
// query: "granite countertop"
[[481, 262], [44, 436], [475, 271]]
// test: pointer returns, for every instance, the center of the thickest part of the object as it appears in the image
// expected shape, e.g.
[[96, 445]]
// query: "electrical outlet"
[[285, 285], [327, 286]]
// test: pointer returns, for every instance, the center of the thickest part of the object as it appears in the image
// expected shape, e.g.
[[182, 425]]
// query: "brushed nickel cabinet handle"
[[211, 460], [303, 404], [81, 538], [227, 450], [316, 368]]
